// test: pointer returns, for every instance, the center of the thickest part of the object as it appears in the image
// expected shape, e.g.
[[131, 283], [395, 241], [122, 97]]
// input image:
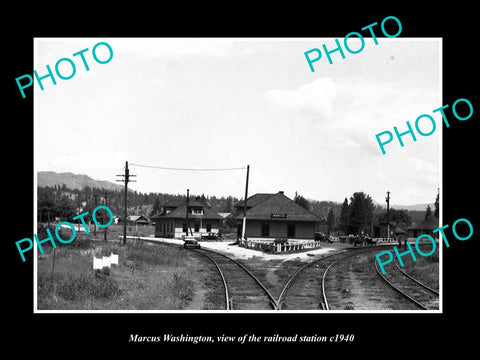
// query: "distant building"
[[322, 226], [271, 216], [137, 220], [226, 215], [425, 226], [172, 221], [171, 205]]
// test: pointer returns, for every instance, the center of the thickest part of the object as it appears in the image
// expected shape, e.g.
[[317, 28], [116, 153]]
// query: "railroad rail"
[[305, 289], [243, 290], [239, 293], [296, 277], [311, 293], [433, 291], [410, 288]]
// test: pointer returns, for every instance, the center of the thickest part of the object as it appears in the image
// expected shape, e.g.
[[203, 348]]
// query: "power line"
[[187, 169]]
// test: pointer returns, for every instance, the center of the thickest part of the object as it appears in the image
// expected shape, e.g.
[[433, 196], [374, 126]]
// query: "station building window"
[[265, 229], [291, 230]]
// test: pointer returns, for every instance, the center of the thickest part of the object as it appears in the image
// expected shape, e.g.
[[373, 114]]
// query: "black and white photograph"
[[195, 126]]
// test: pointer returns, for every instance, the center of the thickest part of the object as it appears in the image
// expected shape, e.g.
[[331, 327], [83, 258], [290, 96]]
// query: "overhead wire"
[[187, 169]]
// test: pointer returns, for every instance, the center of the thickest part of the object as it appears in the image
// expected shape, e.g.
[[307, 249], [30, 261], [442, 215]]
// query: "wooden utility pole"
[[106, 204], [245, 205], [388, 214], [188, 196], [125, 180], [94, 225]]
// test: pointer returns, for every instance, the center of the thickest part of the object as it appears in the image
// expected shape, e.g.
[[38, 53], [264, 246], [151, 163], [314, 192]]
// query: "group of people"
[[365, 239]]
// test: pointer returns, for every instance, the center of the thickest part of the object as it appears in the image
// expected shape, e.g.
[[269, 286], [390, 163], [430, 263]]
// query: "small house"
[[181, 220], [137, 220]]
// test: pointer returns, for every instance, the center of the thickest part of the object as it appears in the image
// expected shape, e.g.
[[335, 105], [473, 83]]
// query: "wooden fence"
[[271, 247]]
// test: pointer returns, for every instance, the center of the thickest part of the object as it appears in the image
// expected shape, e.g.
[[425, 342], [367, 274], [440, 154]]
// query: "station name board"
[[278, 216]]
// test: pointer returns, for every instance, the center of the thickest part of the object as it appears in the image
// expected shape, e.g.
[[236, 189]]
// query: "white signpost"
[[105, 261]]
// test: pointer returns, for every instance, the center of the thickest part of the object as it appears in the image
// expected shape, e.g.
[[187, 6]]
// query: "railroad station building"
[[172, 221], [271, 216], [425, 226]]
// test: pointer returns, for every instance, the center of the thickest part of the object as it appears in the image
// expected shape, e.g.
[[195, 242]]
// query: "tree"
[[330, 221], [344, 214], [437, 206], [229, 204], [46, 209], [65, 208], [361, 212], [398, 217], [428, 212], [156, 206], [300, 200]]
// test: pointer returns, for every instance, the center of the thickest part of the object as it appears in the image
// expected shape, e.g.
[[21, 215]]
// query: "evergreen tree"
[[344, 215], [428, 212], [360, 211], [437, 206], [300, 200], [229, 204], [330, 221], [156, 206]]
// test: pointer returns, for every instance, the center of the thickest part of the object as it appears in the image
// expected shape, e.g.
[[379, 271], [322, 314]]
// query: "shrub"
[[139, 253], [78, 288], [182, 287]]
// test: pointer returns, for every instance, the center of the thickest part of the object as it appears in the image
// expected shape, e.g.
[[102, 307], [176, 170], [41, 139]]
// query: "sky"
[[231, 102]]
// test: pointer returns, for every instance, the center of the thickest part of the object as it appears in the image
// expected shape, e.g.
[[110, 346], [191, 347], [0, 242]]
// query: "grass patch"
[[148, 277], [425, 269], [182, 286], [76, 288]]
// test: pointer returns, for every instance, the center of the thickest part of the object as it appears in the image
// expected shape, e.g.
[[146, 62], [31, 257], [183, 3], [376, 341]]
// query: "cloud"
[[174, 48], [351, 111], [315, 98]]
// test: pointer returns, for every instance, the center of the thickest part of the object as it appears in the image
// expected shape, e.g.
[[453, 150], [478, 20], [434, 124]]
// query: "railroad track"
[[418, 293], [243, 291], [306, 287]]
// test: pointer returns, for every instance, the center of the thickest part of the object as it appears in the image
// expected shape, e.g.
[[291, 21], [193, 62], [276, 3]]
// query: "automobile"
[[212, 236], [322, 237], [191, 243]]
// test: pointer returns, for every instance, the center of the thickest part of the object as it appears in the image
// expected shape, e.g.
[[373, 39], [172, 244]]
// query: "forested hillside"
[[62, 196]]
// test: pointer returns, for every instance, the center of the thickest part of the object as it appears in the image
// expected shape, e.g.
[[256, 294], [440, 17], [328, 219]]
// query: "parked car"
[[322, 237], [212, 236], [191, 244]]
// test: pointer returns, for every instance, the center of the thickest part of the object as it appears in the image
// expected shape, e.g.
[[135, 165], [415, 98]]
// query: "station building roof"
[[277, 207]]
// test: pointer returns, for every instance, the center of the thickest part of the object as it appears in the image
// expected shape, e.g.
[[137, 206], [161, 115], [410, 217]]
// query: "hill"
[[416, 207], [73, 181]]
